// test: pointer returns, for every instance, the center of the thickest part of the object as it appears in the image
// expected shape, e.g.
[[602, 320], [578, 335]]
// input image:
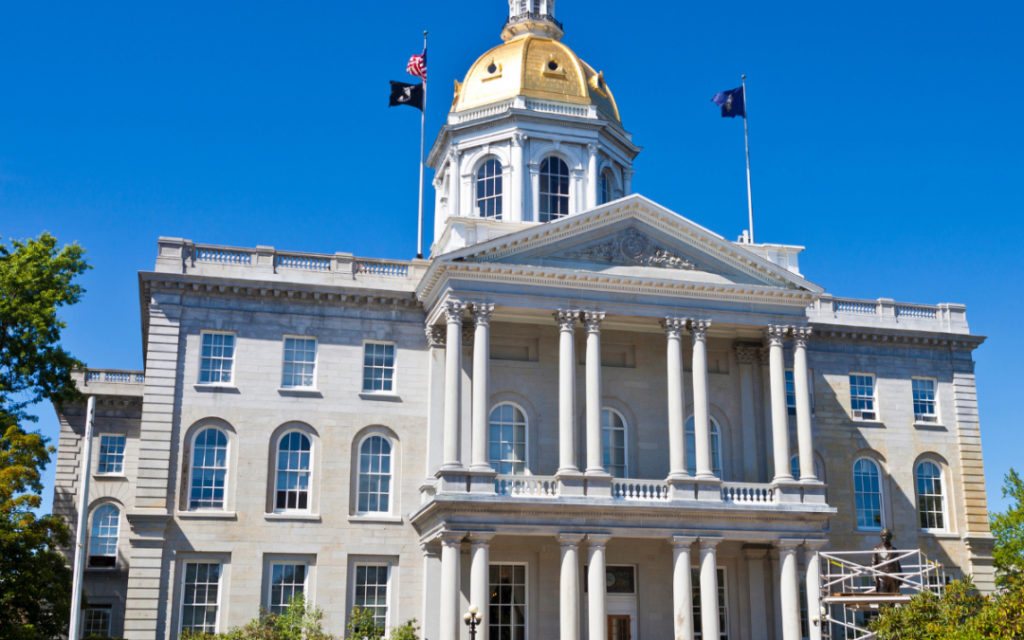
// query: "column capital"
[[566, 319], [518, 139], [569, 539], [747, 353], [683, 541], [592, 148], [673, 326], [436, 336], [480, 538], [453, 311], [699, 329], [430, 548], [592, 320], [482, 312], [708, 543], [788, 544], [450, 538], [800, 336], [595, 540], [776, 334]]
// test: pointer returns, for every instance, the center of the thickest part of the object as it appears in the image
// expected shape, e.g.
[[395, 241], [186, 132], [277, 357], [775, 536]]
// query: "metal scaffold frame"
[[849, 596]]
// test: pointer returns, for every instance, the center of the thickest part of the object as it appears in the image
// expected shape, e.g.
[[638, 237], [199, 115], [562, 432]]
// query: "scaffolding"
[[849, 595]]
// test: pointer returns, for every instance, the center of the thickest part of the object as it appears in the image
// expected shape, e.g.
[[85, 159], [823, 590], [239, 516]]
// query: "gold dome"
[[538, 67]]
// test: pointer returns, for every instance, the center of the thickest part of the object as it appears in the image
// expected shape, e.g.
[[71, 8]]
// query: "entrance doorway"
[[619, 627]]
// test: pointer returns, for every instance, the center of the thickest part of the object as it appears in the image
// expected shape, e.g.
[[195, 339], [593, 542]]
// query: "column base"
[[481, 479], [681, 488], [789, 491], [570, 482], [814, 491], [599, 484], [452, 480]]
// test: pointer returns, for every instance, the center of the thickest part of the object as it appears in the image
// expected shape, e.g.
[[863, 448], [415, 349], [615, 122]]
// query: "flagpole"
[[746, 144], [423, 125]]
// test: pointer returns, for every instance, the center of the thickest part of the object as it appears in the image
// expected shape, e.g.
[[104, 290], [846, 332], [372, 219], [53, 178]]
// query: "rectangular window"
[[507, 610], [862, 396], [218, 358], [924, 399], [790, 393], [723, 611], [200, 598], [371, 591], [378, 367], [286, 582], [111, 458], [96, 621], [299, 367]]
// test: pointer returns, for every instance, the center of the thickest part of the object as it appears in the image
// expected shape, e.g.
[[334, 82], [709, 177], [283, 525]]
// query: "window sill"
[[285, 516], [215, 388], [206, 515], [373, 517], [383, 396], [921, 424], [103, 569], [109, 476], [940, 534], [867, 423], [300, 391]]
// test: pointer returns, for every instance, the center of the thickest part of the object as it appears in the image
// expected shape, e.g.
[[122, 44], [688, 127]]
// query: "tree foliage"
[[304, 622], [1008, 528]]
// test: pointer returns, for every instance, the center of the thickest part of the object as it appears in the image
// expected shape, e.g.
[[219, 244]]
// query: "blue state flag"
[[732, 103]]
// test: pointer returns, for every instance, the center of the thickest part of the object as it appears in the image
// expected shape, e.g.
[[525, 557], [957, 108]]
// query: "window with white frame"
[[507, 610], [96, 621], [378, 367], [287, 580], [217, 360], [106, 520], [374, 475], [867, 494], [372, 591], [488, 189], [554, 189], [506, 447], [613, 442], [209, 469], [862, 396], [111, 459], [691, 447], [924, 399], [723, 610], [294, 454], [931, 507], [790, 393], [298, 369], [200, 597]]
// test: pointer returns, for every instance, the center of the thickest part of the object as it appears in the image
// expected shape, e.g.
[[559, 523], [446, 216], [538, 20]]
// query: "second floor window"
[[379, 367], [217, 360], [507, 442], [374, 475], [613, 442], [924, 399], [488, 190], [103, 536], [867, 494], [299, 366], [293, 458], [209, 470], [111, 454], [862, 396], [554, 189]]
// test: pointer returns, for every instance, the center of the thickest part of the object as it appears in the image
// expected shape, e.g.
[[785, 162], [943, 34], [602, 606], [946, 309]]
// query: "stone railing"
[[526, 486], [748, 493], [886, 313], [386, 268], [485, 111], [115, 376], [646, 490], [543, 106]]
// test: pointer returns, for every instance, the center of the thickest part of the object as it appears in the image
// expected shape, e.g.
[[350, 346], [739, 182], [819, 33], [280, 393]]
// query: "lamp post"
[[472, 619]]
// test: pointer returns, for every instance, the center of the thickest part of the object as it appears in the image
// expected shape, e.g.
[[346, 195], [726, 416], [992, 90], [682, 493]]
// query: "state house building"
[[584, 413]]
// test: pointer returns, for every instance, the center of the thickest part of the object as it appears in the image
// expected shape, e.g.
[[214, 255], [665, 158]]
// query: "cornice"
[[833, 333]]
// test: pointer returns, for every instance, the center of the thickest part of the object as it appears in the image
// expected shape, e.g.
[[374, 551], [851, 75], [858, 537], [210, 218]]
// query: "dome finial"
[[536, 17]]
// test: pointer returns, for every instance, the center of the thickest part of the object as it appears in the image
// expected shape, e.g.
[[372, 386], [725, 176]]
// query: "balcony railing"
[[115, 376], [526, 486], [748, 493], [639, 490], [886, 313]]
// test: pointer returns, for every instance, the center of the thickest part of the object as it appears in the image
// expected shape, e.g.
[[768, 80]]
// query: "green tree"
[[960, 613], [36, 279], [1008, 528]]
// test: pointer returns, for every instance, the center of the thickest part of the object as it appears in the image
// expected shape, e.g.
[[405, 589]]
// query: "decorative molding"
[[775, 334], [800, 337], [592, 321], [673, 326], [436, 336], [453, 311], [482, 312], [699, 329], [634, 248], [747, 353], [566, 319]]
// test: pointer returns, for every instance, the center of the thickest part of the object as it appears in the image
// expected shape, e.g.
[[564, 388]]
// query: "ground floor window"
[[371, 591], [286, 582], [507, 612], [96, 621], [723, 611], [201, 597]]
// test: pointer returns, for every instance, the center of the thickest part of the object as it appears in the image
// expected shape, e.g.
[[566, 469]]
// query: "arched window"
[[607, 186], [691, 448], [506, 447], [794, 468], [374, 475], [930, 502], [554, 189], [293, 460], [209, 469], [103, 536], [488, 189], [613, 443], [867, 493]]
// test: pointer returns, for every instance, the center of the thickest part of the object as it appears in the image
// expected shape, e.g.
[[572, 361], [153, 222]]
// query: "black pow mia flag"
[[403, 93]]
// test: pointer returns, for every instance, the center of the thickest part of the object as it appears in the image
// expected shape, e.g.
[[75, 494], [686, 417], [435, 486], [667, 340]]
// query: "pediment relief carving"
[[632, 248]]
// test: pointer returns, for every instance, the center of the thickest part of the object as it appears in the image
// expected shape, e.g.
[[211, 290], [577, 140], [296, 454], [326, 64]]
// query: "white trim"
[[857, 415], [932, 419], [881, 495], [625, 440], [391, 473], [271, 559], [309, 471], [316, 363], [393, 391], [944, 493], [196, 431], [234, 352], [527, 470], [374, 561], [183, 565]]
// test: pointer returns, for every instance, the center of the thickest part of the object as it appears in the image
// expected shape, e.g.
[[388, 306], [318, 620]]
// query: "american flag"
[[418, 66]]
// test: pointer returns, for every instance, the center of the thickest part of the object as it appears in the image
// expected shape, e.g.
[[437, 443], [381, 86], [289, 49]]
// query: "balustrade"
[[748, 493], [655, 490], [526, 486]]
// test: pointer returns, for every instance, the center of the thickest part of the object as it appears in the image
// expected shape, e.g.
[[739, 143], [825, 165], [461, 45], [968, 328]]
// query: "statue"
[[883, 559]]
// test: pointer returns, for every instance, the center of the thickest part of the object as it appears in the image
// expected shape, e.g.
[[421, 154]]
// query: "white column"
[[481, 366], [755, 591], [746, 355], [592, 181], [701, 417], [682, 587], [676, 420], [595, 462], [811, 549], [534, 191], [451, 542], [709, 588], [597, 585], [789, 589], [517, 181], [454, 181], [479, 587], [566, 390], [627, 181], [569, 587], [804, 435], [776, 334], [452, 383]]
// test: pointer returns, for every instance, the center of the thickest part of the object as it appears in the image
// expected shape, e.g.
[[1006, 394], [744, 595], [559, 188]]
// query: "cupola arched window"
[[554, 189], [613, 442], [488, 189], [607, 186], [691, 448]]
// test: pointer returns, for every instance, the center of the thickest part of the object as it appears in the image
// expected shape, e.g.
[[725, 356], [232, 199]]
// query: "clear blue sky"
[[885, 138]]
